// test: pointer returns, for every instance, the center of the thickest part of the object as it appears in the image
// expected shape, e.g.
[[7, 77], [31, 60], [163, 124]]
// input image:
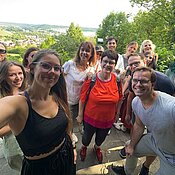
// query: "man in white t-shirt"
[[112, 45]]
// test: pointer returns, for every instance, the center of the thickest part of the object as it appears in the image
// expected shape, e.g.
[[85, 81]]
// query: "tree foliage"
[[155, 21], [117, 25], [67, 44], [162, 14]]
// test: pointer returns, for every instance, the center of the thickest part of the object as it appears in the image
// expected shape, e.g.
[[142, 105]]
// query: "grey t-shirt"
[[160, 120]]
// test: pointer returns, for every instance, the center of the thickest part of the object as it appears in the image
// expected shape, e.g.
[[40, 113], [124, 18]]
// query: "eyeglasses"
[[2, 51], [136, 64], [142, 82], [47, 67], [110, 62]]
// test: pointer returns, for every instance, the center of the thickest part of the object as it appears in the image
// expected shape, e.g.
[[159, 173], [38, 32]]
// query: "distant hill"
[[42, 26]]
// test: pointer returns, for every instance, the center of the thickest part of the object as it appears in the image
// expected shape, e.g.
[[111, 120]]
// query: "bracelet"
[[74, 147]]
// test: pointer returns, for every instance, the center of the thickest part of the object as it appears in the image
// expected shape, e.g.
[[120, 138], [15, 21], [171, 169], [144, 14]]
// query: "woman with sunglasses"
[[99, 50], [12, 82], [2, 52], [40, 119]]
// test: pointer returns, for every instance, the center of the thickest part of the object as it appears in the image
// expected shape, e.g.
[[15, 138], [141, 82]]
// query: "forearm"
[[136, 134], [5, 131], [80, 112], [81, 108], [118, 107], [129, 102]]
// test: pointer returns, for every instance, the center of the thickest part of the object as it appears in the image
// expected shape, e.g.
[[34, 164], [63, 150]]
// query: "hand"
[[129, 150], [89, 75], [117, 117], [79, 119]]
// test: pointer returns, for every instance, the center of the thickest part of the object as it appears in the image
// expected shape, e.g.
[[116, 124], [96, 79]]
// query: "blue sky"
[[89, 13]]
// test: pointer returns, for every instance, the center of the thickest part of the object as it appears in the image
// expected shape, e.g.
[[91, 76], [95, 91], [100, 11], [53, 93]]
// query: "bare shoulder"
[[12, 105], [16, 100], [17, 113], [13, 109]]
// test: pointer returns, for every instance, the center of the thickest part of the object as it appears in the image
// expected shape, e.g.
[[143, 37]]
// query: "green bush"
[[166, 57], [14, 57]]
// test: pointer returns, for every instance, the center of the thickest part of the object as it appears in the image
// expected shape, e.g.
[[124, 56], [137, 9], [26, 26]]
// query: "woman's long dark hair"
[[26, 55], [59, 89]]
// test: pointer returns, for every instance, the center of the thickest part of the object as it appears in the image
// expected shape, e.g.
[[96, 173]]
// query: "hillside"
[[36, 27]]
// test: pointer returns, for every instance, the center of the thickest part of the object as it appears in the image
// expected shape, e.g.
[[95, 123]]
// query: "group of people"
[[44, 99]]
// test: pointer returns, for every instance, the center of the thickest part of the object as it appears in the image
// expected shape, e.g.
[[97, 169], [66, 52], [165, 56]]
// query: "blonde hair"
[[143, 43]]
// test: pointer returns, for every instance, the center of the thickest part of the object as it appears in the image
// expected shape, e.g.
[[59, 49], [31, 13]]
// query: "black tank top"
[[41, 135]]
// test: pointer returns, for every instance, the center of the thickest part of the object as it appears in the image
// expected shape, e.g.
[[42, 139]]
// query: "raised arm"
[[13, 111]]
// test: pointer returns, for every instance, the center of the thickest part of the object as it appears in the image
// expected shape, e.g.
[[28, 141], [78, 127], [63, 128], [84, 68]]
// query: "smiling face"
[[147, 47], [141, 83], [131, 49], [107, 65], [15, 77], [135, 61], [111, 44], [149, 58], [47, 71], [85, 53]]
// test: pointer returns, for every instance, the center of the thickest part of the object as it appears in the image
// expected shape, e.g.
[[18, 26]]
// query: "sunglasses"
[[47, 67], [2, 51], [136, 64]]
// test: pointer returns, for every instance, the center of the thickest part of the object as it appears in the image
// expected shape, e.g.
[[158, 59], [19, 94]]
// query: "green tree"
[[117, 25], [49, 41], [67, 44], [162, 13]]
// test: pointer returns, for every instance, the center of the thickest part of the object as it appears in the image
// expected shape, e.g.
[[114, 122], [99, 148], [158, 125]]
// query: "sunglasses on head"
[[2, 51]]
